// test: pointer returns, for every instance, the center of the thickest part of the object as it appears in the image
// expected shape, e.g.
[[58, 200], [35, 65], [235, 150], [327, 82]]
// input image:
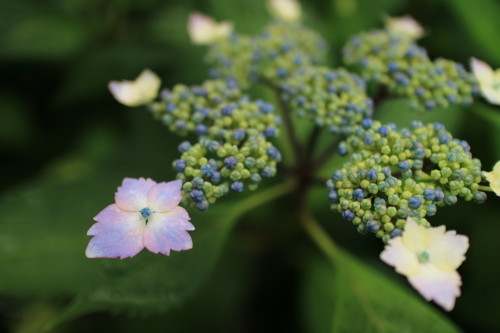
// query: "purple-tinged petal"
[[168, 231], [164, 197], [132, 196], [116, 234]]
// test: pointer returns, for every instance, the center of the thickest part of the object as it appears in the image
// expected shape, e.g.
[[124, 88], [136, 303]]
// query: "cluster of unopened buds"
[[393, 182]]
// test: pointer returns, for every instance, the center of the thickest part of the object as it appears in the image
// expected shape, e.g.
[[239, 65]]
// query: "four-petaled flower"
[[404, 25], [429, 258], [494, 178], [146, 214], [203, 30], [142, 90], [489, 80], [286, 10]]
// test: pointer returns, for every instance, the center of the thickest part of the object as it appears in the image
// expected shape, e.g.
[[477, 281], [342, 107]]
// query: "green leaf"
[[354, 297]]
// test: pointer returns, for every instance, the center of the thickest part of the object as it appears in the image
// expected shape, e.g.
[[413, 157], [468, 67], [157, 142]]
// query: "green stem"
[[332, 251], [485, 188]]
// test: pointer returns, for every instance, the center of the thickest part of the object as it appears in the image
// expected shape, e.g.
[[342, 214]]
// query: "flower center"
[[146, 212], [423, 257]]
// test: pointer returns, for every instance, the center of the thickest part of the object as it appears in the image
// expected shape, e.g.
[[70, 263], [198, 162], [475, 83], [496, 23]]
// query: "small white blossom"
[[286, 10], [203, 30], [493, 178], [404, 25], [429, 257], [142, 90], [489, 80]]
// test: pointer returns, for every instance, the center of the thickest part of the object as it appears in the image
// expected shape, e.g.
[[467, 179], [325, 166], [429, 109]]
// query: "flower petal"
[[204, 30], [404, 25], [482, 71], [447, 250], [116, 234], [164, 197], [400, 257], [443, 287], [415, 237], [138, 92], [493, 178], [168, 231], [132, 196], [286, 10]]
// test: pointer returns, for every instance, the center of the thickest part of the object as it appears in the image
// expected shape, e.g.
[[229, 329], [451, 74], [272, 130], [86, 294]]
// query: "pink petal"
[[132, 196], [168, 231], [164, 197], [116, 234]]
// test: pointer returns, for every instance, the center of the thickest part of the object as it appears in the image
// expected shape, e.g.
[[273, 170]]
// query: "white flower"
[[429, 258], [494, 178], [204, 30], [142, 90], [404, 25], [489, 80], [286, 10]]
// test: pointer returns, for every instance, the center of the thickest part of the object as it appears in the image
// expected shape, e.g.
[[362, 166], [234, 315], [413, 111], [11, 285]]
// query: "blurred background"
[[65, 145]]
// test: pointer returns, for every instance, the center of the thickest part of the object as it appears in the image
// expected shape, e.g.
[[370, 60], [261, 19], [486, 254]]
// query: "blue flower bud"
[[396, 232], [368, 139], [444, 139], [438, 126], [264, 107], [431, 210], [180, 125], [171, 107], [392, 66], [180, 165], [215, 177], [206, 170], [202, 205], [201, 129], [255, 178], [439, 195], [479, 197], [273, 153], [268, 172], [337, 175], [367, 123], [404, 166], [333, 196], [239, 134], [358, 194], [383, 130], [184, 146], [237, 186], [348, 215], [450, 199], [386, 171], [415, 202], [270, 132], [228, 110], [198, 182], [372, 174], [373, 226], [429, 194], [342, 150], [197, 195], [379, 202], [230, 162]]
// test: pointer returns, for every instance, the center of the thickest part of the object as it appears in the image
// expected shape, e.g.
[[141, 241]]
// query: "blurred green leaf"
[[16, 127], [481, 18], [356, 298]]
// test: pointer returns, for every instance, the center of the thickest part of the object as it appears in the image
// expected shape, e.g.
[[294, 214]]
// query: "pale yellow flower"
[[286, 10], [142, 90], [404, 25], [429, 257], [489, 80], [204, 30], [494, 178]]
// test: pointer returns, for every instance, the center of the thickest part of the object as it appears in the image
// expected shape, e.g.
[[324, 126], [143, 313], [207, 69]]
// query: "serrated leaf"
[[356, 298]]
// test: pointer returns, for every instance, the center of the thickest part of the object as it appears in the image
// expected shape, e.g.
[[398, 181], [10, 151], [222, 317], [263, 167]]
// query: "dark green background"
[[65, 145]]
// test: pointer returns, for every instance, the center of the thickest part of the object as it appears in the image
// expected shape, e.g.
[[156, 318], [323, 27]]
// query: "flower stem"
[[485, 188], [311, 144]]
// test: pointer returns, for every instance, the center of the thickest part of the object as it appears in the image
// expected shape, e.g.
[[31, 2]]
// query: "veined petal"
[[286, 10], [493, 178], [164, 197], [491, 94], [482, 71], [400, 257], [204, 30], [168, 231], [447, 250], [132, 196], [443, 287], [142, 90], [116, 234], [405, 25], [415, 237]]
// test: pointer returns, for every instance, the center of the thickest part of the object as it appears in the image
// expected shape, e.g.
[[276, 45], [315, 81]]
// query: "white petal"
[[400, 257], [415, 237], [493, 178], [443, 287], [491, 94], [168, 231], [142, 90], [204, 30], [164, 197], [447, 250], [482, 71], [132, 195], [286, 10], [405, 25]]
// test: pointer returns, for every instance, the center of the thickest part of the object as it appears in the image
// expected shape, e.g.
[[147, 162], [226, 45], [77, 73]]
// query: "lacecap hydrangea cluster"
[[335, 99], [397, 62], [274, 54], [393, 174], [233, 149]]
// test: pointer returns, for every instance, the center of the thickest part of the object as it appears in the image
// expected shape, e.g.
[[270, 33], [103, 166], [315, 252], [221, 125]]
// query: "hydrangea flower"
[[489, 80], [145, 215], [142, 90], [404, 25], [286, 10], [494, 178], [429, 258], [203, 30]]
